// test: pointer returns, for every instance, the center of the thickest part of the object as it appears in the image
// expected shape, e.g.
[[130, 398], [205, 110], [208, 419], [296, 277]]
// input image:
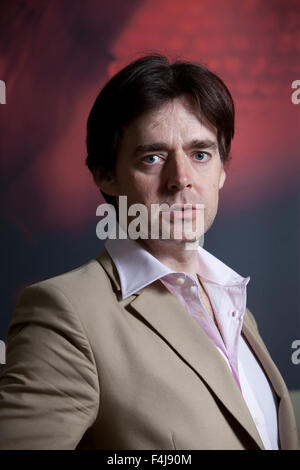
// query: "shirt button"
[[256, 421], [180, 281], [194, 290], [234, 313]]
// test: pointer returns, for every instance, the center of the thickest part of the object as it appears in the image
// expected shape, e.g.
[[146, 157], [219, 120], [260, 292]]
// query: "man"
[[150, 344]]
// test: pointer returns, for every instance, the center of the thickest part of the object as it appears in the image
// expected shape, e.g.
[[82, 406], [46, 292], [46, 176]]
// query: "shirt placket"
[[186, 291]]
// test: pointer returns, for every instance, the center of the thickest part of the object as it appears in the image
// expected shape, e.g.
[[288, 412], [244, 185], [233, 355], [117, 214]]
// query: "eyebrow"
[[158, 146]]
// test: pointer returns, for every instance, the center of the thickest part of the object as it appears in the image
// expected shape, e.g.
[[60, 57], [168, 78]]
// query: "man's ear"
[[222, 179], [105, 181]]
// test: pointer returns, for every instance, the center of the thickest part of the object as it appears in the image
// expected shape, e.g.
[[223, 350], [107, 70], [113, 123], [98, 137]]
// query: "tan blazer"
[[88, 370]]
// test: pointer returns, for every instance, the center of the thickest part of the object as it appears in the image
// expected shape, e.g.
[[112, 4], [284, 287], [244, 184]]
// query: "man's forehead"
[[169, 121], [174, 108]]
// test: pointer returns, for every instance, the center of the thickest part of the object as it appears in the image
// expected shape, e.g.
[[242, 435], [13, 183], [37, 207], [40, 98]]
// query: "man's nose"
[[178, 173]]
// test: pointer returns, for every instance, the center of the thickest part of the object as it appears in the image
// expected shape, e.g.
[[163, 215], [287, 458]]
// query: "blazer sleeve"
[[49, 389]]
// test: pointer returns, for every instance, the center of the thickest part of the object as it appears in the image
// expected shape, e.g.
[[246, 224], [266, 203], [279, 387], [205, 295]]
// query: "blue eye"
[[151, 156], [203, 156]]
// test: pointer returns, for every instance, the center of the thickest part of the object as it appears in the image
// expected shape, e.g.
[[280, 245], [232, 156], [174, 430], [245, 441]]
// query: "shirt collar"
[[137, 267]]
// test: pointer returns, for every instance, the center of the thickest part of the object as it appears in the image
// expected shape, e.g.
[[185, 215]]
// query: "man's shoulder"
[[81, 297], [83, 281]]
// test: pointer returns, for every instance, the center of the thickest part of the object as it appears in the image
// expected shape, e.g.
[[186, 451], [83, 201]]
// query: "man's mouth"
[[187, 210]]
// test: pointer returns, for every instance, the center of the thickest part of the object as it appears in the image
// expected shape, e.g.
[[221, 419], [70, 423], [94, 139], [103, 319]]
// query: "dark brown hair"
[[146, 84]]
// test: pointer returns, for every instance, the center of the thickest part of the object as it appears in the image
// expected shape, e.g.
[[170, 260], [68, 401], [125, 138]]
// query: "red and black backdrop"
[[54, 57]]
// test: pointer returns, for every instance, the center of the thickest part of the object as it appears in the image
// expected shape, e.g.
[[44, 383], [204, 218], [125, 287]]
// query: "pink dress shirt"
[[227, 292]]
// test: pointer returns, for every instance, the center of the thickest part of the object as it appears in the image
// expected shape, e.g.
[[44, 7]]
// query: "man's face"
[[170, 155]]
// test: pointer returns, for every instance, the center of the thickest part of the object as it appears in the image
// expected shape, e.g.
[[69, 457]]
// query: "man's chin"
[[184, 238]]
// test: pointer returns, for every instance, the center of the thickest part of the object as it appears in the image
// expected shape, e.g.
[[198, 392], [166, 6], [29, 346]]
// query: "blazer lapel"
[[262, 354], [172, 322], [286, 420]]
